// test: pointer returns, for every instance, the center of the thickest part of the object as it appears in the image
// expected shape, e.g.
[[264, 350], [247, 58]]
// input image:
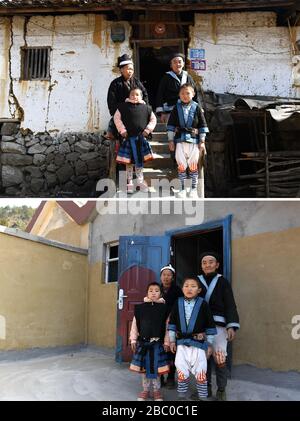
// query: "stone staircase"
[[162, 166]]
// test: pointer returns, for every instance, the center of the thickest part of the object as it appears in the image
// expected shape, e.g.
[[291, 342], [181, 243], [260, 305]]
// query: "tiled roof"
[[131, 3]]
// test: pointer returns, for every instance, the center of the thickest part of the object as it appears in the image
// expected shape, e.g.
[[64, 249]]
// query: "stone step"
[[154, 174], [159, 147], [160, 137], [160, 161], [160, 127]]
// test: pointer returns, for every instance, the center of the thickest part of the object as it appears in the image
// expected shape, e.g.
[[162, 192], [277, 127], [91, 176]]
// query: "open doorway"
[[187, 248], [154, 62]]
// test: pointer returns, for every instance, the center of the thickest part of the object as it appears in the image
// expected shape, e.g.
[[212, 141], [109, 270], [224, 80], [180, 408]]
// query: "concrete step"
[[159, 147]]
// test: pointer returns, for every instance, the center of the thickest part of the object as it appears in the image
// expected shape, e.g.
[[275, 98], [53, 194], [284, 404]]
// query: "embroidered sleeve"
[[171, 126], [167, 336], [133, 332], [119, 123], [152, 123], [231, 314]]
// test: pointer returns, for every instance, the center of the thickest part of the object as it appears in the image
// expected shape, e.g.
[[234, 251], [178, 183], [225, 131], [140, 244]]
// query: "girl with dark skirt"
[[149, 342], [135, 121]]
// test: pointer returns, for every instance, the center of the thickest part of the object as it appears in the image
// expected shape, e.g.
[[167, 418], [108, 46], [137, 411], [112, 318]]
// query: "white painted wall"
[[246, 54], [82, 67]]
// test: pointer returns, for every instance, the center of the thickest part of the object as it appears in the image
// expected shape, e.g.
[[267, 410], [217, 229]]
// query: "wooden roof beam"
[[197, 7]]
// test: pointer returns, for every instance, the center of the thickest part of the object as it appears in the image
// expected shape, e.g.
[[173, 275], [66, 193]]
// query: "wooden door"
[[140, 261]]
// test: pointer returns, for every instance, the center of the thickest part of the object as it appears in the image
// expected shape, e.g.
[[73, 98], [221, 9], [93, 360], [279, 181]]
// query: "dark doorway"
[[153, 64], [188, 247]]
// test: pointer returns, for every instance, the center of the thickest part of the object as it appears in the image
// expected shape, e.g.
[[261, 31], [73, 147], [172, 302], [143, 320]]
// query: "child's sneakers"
[[130, 188], [143, 186], [181, 194], [194, 194], [143, 396], [157, 396]]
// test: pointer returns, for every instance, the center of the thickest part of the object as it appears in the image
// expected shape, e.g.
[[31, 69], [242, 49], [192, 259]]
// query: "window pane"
[[112, 272], [113, 252], [35, 63]]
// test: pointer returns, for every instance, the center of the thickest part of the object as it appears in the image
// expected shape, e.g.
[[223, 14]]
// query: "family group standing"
[[133, 121], [194, 324]]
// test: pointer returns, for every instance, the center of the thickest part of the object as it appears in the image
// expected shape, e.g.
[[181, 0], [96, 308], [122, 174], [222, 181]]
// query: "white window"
[[111, 262]]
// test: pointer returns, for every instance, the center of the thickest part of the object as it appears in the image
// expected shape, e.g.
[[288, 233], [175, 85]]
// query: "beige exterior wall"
[[55, 224], [266, 284], [43, 295], [102, 305]]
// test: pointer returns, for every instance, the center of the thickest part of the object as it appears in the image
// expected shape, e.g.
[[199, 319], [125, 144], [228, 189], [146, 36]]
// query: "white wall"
[[82, 67], [246, 54]]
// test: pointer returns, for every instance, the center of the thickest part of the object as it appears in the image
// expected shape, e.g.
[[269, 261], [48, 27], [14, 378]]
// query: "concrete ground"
[[89, 374]]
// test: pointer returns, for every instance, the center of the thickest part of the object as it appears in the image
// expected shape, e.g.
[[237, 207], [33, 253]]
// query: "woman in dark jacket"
[[170, 293], [119, 90]]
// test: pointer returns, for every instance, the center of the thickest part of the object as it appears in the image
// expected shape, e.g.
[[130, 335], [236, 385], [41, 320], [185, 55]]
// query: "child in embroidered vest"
[[135, 121], [150, 341], [191, 330], [187, 131], [217, 292]]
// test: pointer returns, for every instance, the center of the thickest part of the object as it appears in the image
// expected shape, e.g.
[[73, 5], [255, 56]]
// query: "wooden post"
[[266, 156], [201, 187]]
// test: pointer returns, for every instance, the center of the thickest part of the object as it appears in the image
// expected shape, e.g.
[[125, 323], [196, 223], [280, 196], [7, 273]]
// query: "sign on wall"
[[197, 59]]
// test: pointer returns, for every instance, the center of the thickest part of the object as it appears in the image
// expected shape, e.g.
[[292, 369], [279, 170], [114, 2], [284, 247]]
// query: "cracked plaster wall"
[[81, 67]]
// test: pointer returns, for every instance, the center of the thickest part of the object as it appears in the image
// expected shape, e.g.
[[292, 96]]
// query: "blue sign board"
[[197, 53]]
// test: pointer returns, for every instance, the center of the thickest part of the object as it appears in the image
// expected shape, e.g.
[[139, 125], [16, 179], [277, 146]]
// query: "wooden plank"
[[237, 5], [271, 154]]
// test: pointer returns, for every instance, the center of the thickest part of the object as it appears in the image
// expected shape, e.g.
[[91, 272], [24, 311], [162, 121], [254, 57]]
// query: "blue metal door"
[[140, 261]]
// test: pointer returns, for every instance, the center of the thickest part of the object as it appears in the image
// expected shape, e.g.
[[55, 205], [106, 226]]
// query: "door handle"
[[120, 299]]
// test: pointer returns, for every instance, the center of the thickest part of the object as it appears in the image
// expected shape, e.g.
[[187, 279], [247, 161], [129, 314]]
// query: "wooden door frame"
[[225, 225], [148, 43]]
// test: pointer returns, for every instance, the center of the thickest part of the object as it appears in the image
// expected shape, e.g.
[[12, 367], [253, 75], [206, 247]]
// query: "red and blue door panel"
[[140, 261]]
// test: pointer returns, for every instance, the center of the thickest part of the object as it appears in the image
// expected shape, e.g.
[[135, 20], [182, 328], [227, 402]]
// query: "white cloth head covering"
[[169, 267]]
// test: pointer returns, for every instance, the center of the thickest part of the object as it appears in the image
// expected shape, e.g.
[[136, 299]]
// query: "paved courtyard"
[[91, 374]]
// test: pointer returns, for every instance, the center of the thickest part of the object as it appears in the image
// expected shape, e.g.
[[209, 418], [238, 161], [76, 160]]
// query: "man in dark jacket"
[[168, 90], [119, 90], [217, 292], [170, 293]]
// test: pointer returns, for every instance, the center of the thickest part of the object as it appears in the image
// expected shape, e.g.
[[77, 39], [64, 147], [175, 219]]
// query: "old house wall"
[[265, 284], [82, 65], [245, 53], [43, 293], [57, 150]]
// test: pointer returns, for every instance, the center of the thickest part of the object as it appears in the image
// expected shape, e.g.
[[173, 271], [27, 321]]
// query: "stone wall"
[[43, 165]]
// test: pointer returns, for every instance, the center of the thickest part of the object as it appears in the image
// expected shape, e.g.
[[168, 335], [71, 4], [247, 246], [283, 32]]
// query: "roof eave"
[[204, 7]]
